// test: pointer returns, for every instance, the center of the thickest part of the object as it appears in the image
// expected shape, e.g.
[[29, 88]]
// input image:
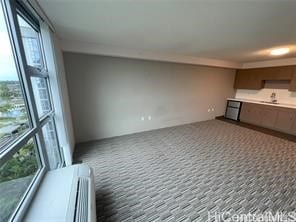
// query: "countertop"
[[291, 106]]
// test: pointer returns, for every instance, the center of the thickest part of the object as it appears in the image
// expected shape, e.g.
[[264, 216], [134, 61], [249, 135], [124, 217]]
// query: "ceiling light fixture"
[[279, 51]]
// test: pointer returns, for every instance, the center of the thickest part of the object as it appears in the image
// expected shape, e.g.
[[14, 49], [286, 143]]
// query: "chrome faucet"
[[273, 97]]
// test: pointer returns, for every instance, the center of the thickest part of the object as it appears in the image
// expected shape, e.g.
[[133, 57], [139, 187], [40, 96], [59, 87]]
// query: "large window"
[[15, 178], [14, 119], [29, 143]]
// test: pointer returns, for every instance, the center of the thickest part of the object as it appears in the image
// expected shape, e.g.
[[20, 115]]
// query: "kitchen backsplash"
[[282, 95]]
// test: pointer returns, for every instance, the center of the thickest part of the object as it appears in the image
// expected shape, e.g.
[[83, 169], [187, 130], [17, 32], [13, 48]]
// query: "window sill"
[[55, 199]]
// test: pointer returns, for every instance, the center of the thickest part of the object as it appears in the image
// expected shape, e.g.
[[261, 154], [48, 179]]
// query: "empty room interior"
[[124, 110]]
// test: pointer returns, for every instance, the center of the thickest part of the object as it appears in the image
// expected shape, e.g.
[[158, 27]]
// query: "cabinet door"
[[292, 86], [284, 120], [247, 79], [293, 129], [278, 73], [254, 78], [241, 80], [245, 113], [251, 113], [268, 117]]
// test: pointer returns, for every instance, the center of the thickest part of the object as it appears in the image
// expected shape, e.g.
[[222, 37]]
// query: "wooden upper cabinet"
[[247, 79], [277, 73], [254, 78]]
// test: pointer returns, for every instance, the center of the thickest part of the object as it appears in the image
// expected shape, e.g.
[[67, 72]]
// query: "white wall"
[[63, 112], [109, 95], [59, 92]]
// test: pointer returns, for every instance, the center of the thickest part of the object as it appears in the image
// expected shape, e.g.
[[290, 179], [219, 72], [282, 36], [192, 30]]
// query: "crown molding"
[[98, 49], [39, 12], [270, 63]]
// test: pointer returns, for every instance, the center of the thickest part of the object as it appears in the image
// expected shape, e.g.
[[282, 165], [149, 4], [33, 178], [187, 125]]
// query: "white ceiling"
[[232, 30]]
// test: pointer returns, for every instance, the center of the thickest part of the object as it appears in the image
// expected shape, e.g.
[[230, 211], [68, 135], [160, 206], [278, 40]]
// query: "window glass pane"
[[13, 113], [41, 95], [51, 145], [15, 177], [31, 43]]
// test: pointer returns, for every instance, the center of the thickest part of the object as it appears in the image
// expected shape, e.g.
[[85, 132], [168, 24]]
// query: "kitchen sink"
[[269, 102]]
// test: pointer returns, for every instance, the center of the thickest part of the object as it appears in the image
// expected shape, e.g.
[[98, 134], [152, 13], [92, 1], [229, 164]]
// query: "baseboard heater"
[[65, 194], [81, 209]]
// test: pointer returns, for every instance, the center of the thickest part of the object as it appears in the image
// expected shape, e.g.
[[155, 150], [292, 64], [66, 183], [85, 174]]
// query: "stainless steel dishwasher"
[[233, 110]]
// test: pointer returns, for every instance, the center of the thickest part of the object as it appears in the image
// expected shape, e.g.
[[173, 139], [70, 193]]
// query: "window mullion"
[[36, 150], [6, 154], [21, 58], [58, 142], [22, 206], [50, 94], [36, 72], [46, 118], [43, 154]]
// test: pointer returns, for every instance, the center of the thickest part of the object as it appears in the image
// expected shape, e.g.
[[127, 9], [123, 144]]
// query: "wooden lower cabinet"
[[292, 86], [293, 129], [284, 120], [250, 113], [269, 116], [272, 117]]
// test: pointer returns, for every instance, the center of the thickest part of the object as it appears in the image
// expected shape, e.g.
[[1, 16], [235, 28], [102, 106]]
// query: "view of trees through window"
[[29, 144], [17, 173], [15, 177], [13, 113]]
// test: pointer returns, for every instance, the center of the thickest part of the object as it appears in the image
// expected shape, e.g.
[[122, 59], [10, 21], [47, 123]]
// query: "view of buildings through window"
[[31, 43], [23, 163], [13, 114], [17, 173], [34, 57]]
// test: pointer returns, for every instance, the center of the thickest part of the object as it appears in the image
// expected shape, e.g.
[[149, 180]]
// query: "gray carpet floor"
[[182, 173]]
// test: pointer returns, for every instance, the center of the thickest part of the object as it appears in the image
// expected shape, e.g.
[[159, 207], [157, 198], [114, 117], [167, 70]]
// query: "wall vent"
[[81, 210]]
